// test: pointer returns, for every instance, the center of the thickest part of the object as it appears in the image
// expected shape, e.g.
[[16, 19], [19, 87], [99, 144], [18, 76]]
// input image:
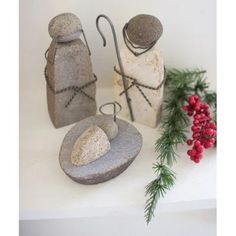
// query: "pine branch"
[[179, 78], [176, 121], [180, 85], [157, 188]]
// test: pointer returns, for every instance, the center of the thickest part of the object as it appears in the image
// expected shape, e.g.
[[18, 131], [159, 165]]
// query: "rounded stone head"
[[65, 27], [144, 30]]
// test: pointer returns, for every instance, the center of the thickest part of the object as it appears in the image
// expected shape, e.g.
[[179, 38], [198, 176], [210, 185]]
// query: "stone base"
[[124, 148]]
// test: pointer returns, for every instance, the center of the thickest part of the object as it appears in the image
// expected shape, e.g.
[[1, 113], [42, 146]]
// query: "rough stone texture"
[[72, 67], [91, 145], [65, 27], [124, 148], [148, 69], [144, 29], [110, 128]]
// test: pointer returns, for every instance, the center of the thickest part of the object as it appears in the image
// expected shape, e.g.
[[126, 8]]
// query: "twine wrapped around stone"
[[76, 89], [138, 85], [141, 33], [71, 88], [144, 29]]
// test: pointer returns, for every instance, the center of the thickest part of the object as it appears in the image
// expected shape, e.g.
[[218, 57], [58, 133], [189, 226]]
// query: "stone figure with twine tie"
[[70, 80], [143, 71]]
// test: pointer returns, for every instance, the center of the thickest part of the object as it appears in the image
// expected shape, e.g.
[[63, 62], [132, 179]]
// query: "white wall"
[[189, 38]]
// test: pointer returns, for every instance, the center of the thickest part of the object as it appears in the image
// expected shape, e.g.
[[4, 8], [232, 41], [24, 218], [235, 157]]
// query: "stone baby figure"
[[71, 85], [144, 71]]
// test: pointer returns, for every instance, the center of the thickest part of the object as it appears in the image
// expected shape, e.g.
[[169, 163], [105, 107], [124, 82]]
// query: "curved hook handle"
[[118, 58]]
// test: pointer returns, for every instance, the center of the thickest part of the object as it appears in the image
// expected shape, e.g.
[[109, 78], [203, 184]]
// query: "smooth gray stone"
[[65, 27], [110, 128], [124, 148], [72, 67], [144, 29]]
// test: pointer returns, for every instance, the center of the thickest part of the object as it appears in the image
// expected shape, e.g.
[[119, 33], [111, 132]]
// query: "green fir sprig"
[[157, 188], [180, 84]]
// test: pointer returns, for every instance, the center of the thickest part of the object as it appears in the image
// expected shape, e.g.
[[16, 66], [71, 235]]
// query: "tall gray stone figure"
[[70, 80], [144, 71]]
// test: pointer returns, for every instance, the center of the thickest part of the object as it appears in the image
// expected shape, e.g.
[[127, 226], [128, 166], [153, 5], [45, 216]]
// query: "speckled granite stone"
[[124, 148], [90, 145], [65, 27], [144, 29]]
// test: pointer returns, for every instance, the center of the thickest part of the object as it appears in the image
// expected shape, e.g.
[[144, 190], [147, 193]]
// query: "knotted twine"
[[76, 89], [138, 85], [132, 46]]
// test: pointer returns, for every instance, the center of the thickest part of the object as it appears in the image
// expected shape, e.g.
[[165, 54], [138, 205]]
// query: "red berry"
[[209, 132], [195, 135], [193, 153], [189, 142], [214, 133], [189, 152], [195, 128], [200, 148], [185, 108], [197, 117], [197, 106], [212, 125], [199, 156], [196, 160], [197, 143], [190, 113], [208, 145], [191, 98], [204, 130], [192, 102], [203, 116], [211, 140]]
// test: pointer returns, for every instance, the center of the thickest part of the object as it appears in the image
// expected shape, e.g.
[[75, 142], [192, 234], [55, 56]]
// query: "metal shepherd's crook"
[[118, 58]]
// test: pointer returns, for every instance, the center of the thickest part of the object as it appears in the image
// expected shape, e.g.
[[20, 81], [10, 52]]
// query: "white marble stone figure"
[[142, 61]]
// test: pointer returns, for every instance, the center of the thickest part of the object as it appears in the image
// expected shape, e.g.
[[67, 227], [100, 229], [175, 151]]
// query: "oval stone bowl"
[[124, 149]]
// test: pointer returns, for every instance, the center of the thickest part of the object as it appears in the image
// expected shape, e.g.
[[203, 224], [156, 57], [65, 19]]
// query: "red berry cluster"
[[204, 129]]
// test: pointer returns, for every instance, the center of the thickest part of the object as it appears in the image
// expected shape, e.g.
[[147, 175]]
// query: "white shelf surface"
[[47, 193]]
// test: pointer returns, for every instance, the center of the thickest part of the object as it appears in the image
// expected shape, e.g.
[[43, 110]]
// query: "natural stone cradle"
[[148, 69], [124, 148], [91, 145], [69, 64]]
